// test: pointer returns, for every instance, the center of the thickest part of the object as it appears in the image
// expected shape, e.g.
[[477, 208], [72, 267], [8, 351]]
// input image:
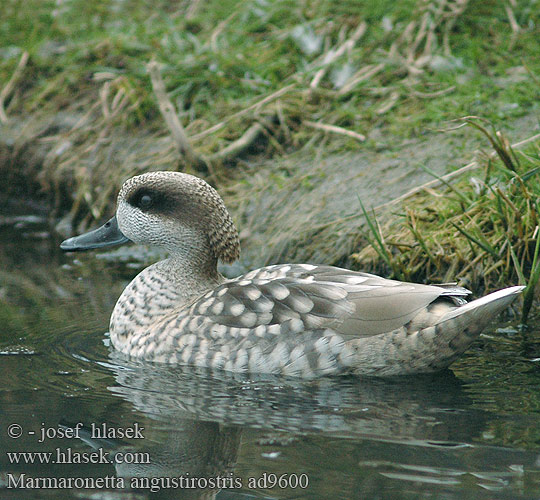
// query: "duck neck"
[[160, 292], [190, 278]]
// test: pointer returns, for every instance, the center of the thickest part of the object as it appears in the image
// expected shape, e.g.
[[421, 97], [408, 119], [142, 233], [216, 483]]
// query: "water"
[[472, 432]]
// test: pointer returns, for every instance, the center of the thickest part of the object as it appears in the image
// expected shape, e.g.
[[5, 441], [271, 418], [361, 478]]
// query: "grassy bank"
[[252, 80], [482, 230], [303, 71]]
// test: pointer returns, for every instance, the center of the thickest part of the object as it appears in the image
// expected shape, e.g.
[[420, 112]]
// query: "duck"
[[292, 320]]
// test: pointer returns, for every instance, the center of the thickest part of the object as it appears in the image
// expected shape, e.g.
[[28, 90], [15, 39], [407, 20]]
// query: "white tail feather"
[[489, 304]]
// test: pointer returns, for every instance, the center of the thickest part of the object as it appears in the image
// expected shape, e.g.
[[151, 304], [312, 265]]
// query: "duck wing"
[[289, 299]]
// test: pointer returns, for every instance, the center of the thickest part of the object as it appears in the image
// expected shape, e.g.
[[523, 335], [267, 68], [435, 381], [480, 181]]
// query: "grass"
[[308, 73], [483, 231], [415, 64]]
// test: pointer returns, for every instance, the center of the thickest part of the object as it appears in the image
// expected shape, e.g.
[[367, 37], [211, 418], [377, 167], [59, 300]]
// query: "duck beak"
[[105, 236]]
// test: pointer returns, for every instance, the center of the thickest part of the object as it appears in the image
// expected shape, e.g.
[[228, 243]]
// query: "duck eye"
[[145, 201]]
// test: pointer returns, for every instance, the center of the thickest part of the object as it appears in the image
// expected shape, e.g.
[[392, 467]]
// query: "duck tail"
[[433, 347], [458, 328], [478, 313]]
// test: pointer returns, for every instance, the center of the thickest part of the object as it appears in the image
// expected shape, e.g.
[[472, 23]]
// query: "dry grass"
[[482, 231], [267, 80], [335, 72]]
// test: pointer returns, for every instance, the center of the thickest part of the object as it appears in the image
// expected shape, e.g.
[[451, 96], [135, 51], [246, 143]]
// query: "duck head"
[[172, 210]]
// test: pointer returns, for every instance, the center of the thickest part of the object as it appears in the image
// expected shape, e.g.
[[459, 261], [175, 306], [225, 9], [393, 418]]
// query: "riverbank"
[[296, 115]]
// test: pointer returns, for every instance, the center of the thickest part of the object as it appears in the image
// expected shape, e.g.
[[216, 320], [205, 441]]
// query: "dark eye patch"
[[147, 199]]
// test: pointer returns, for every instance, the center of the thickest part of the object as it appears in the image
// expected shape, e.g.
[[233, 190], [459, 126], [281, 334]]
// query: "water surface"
[[469, 432]]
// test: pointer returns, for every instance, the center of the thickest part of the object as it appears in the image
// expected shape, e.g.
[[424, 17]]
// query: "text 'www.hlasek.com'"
[[101, 455]]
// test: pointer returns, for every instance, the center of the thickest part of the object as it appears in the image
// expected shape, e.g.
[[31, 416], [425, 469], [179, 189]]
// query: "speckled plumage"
[[297, 320]]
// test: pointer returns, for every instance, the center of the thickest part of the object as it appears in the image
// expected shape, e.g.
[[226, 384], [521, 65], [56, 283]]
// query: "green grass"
[[213, 70], [482, 230], [88, 56], [88, 62]]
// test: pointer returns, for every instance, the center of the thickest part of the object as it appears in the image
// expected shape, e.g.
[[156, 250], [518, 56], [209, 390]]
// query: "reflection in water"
[[188, 456], [199, 416], [416, 408], [419, 430]]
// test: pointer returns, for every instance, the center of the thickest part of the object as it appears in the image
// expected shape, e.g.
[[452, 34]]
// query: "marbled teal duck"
[[293, 319]]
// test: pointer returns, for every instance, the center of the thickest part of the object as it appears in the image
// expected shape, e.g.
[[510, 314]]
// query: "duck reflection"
[[196, 459], [195, 419], [421, 408]]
